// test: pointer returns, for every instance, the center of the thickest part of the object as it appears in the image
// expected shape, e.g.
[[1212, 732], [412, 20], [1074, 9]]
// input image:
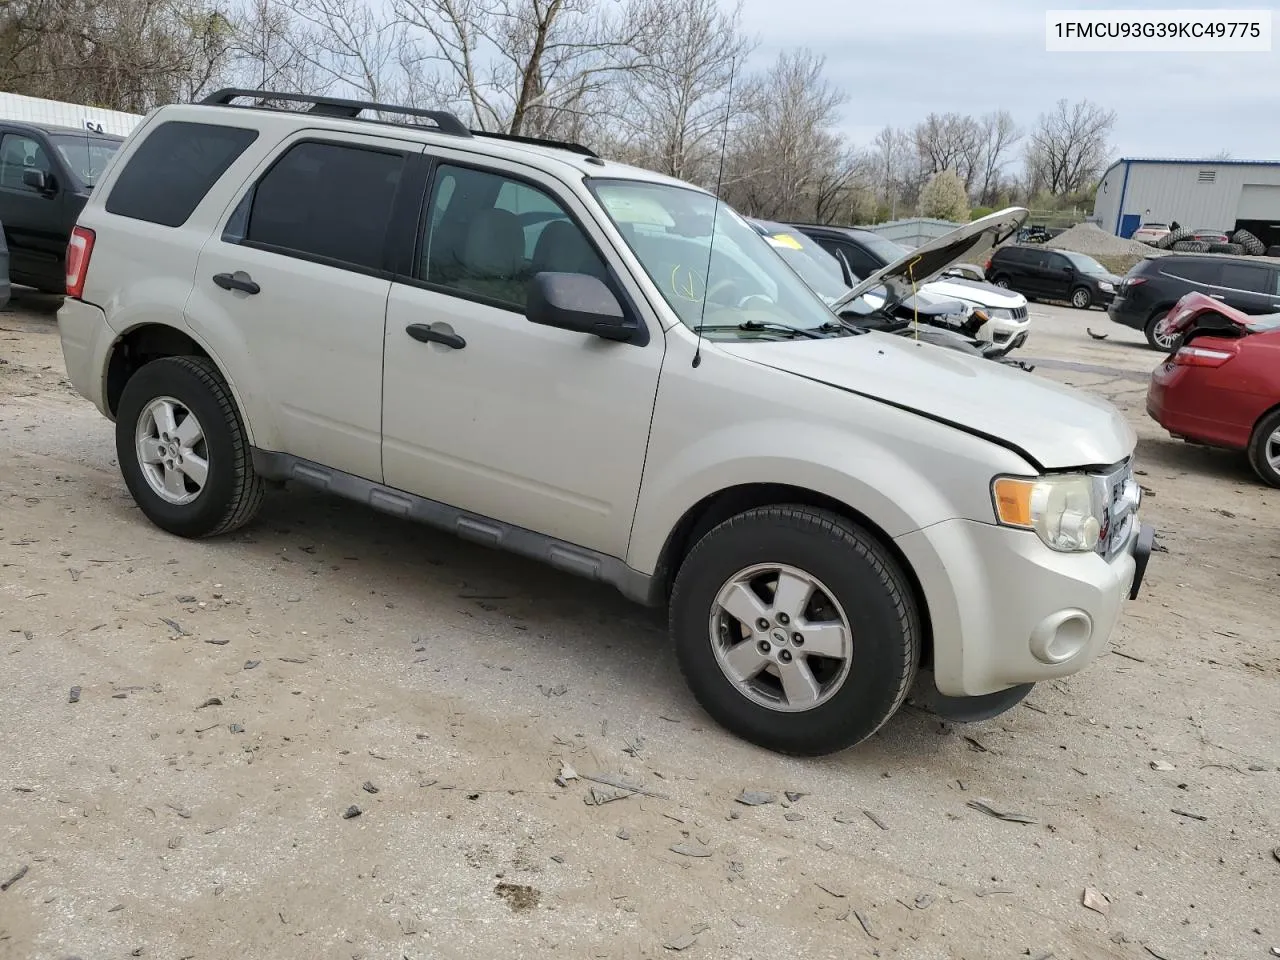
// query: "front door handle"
[[236, 281], [1217, 296], [423, 333]]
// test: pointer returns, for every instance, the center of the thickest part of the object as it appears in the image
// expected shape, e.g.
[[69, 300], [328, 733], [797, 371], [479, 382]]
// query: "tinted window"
[[173, 168], [1014, 255], [1196, 271], [327, 200], [87, 156], [487, 236], [882, 248], [1246, 276], [19, 153]]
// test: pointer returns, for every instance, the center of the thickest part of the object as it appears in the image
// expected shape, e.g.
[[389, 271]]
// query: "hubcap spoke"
[[189, 433], [825, 640], [798, 683], [792, 595], [166, 419], [197, 468], [745, 661], [741, 602], [149, 450], [1273, 450], [174, 484]]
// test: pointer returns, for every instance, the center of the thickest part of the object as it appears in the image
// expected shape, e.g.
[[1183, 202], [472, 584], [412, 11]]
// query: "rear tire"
[[1081, 298], [729, 615], [1164, 345], [1264, 449], [1001, 281], [183, 450]]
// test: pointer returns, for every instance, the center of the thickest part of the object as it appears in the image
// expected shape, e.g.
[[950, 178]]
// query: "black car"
[[1039, 273], [46, 174], [4, 270], [1154, 285], [862, 251]]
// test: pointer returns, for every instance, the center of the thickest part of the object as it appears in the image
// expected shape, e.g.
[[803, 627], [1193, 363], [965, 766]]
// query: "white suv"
[[605, 369]]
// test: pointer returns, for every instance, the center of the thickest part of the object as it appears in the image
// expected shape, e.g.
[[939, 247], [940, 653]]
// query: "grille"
[[1019, 313], [1122, 496]]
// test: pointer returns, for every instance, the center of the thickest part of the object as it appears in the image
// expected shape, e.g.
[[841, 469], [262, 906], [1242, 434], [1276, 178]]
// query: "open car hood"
[[970, 241]]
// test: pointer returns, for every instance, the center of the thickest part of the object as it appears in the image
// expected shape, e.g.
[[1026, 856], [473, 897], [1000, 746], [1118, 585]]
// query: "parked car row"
[[605, 369]]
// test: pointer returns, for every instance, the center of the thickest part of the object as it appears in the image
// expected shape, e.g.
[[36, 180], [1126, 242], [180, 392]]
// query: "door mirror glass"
[[37, 180], [578, 302]]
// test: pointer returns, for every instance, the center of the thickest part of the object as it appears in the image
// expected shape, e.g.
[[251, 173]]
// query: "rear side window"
[[173, 168], [1013, 255], [1246, 276], [326, 201]]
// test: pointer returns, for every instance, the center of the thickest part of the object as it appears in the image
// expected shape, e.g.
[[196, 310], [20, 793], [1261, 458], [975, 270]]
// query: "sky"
[[899, 60]]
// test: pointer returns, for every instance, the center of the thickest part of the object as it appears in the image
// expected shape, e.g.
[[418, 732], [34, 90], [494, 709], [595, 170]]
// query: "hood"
[[928, 260], [1053, 426], [986, 294]]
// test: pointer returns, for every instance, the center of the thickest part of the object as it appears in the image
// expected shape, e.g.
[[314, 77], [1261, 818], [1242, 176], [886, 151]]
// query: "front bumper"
[[1006, 610]]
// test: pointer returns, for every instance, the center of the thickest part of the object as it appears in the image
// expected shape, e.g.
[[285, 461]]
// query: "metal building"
[[1224, 195], [14, 106]]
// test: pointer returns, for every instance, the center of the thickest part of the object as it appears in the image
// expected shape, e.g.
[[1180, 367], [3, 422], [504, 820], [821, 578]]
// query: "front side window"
[[716, 282], [173, 168], [487, 235], [1084, 264], [18, 154], [330, 201]]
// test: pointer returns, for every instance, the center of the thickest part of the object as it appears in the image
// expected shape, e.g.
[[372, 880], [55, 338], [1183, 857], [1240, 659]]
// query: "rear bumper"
[[988, 636], [1123, 312], [1192, 411], [86, 343]]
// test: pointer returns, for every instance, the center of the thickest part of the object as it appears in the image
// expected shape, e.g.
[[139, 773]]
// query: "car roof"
[[853, 233], [547, 154], [1233, 257], [54, 128]]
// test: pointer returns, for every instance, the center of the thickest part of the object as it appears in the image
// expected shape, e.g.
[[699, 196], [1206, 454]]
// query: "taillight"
[[1134, 281], [987, 265], [78, 252], [1204, 356]]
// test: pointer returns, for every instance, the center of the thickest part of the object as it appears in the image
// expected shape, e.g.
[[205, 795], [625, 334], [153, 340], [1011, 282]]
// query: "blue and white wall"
[[1196, 193]]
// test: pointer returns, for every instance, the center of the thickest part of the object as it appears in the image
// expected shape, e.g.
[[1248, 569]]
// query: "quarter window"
[[327, 201], [1246, 276], [488, 235], [173, 168]]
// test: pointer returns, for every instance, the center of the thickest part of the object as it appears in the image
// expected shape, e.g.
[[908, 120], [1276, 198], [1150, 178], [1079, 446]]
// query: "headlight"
[[1064, 510], [1103, 285], [999, 313]]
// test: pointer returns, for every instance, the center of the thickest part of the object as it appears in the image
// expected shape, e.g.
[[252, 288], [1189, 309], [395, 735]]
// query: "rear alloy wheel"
[[1157, 339], [183, 450], [1264, 448], [1001, 282], [795, 629], [1081, 298]]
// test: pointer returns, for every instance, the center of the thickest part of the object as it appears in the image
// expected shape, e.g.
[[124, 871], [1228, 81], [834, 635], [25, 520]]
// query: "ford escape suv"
[[609, 370]]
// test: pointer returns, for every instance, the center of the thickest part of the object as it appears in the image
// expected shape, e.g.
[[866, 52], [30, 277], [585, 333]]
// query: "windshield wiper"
[[842, 326], [766, 325]]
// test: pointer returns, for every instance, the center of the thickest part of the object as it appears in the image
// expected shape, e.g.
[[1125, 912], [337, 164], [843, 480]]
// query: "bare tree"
[[521, 66], [676, 101], [949, 141], [268, 51], [999, 135], [1068, 147]]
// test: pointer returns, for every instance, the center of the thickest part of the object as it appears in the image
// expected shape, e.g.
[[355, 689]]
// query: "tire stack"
[[1190, 246], [1248, 243], [1173, 236]]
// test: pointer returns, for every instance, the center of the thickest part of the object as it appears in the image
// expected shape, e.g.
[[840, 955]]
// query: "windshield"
[[86, 156], [740, 277], [882, 248], [1084, 264]]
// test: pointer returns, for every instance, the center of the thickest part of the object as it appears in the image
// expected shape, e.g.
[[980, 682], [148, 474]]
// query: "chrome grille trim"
[[1119, 492]]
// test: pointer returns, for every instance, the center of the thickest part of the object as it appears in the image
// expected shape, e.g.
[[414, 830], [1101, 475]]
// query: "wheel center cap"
[[779, 637]]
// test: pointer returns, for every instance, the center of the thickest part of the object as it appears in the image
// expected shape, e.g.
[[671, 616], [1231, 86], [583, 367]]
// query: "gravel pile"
[[1092, 240]]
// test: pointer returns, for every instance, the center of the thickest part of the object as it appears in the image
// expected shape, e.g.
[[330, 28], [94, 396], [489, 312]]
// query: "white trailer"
[[14, 106]]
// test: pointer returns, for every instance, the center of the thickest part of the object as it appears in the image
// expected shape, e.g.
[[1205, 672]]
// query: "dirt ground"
[[237, 697]]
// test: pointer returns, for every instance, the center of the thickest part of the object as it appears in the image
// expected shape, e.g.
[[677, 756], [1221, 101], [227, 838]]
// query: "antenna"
[[715, 210]]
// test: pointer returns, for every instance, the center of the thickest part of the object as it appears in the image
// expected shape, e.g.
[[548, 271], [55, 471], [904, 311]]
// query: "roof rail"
[[338, 107], [540, 142], [350, 109]]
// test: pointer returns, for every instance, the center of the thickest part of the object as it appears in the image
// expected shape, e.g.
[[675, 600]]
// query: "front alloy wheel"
[[1081, 299], [780, 638]]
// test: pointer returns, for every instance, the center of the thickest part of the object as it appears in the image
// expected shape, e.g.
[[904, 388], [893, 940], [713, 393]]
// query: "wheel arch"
[[152, 340], [720, 506]]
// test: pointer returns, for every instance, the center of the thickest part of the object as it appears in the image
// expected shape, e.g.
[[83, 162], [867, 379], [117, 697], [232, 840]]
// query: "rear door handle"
[[236, 281], [426, 334]]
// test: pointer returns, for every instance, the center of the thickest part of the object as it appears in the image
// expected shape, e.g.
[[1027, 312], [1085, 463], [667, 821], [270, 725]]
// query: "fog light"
[[1060, 636]]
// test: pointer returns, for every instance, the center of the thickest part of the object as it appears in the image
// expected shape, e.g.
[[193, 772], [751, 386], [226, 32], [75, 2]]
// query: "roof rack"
[[444, 121]]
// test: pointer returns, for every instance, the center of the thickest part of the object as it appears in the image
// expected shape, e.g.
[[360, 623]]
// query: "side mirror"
[[37, 180], [578, 302]]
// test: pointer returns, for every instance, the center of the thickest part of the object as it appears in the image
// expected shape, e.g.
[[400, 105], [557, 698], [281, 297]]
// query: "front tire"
[[1081, 298], [1001, 282], [1264, 449], [183, 450], [795, 629]]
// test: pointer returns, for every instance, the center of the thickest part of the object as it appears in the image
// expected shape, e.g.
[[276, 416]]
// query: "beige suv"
[[610, 371]]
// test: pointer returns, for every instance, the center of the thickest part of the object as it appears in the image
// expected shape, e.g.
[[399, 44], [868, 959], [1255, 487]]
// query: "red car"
[[1221, 385]]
